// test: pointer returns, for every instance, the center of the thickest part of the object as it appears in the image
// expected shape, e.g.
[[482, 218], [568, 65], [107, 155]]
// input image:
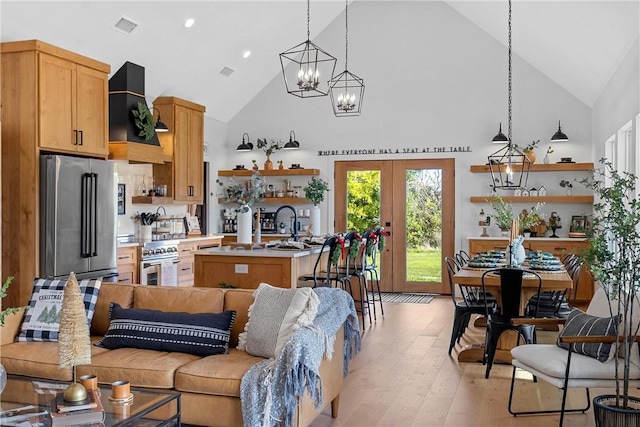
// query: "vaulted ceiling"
[[578, 44]]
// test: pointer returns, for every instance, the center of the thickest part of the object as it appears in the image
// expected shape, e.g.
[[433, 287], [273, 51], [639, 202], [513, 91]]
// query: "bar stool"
[[370, 254]]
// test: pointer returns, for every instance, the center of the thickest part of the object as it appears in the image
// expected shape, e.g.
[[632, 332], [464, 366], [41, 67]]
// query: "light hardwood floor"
[[403, 376]]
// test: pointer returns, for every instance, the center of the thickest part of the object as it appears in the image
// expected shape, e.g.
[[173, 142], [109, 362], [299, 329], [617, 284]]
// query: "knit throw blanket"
[[270, 389]]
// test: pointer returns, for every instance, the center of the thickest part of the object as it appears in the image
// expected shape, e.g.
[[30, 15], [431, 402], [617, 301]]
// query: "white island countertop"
[[534, 239], [258, 253]]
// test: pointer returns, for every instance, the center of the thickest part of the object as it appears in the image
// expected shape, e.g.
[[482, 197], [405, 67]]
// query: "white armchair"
[[566, 369]]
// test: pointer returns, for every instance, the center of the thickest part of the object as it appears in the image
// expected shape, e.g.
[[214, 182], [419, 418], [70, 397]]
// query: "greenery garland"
[[372, 240], [143, 120], [381, 240], [354, 245], [337, 252]]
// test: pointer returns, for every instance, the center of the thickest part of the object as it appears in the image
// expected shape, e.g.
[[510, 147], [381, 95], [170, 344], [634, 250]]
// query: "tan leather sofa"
[[210, 386]]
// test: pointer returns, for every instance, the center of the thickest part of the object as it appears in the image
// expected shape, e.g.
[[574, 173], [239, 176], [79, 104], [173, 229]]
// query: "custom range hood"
[[126, 140]]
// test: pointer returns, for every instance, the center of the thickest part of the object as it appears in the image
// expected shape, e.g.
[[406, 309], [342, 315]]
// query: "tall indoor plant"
[[614, 258], [315, 192]]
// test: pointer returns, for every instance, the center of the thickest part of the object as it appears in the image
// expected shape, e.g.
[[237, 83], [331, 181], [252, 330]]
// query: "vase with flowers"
[[269, 149], [315, 192], [503, 216], [245, 195]]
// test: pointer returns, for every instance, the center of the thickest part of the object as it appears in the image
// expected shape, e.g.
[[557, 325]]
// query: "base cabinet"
[[186, 258], [128, 265], [558, 247]]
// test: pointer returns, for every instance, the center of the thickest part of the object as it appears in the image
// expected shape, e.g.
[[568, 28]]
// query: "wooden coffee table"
[[148, 407]]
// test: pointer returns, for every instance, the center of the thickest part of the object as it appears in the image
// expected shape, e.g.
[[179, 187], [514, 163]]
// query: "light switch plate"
[[242, 268]]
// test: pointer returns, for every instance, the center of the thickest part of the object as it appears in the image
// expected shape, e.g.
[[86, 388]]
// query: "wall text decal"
[[379, 151]]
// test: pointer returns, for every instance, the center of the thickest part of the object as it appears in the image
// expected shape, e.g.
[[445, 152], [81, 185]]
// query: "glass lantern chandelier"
[[509, 166], [303, 65], [347, 89]]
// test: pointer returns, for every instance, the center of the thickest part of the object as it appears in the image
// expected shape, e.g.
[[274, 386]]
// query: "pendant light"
[[509, 166], [500, 138], [311, 64], [292, 144], [559, 136], [245, 146], [347, 89]]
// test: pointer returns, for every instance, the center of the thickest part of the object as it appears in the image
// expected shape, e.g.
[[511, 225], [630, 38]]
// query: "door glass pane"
[[363, 203], [363, 200], [424, 225]]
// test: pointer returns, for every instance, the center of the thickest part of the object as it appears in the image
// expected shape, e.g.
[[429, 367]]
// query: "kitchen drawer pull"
[[75, 131], [559, 249], [125, 257], [124, 281], [186, 269]]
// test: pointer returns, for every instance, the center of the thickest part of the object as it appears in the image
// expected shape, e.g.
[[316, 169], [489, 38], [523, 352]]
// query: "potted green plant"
[[613, 256], [528, 150], [503, 216], [528, 219], [315, 192], [269, 149]]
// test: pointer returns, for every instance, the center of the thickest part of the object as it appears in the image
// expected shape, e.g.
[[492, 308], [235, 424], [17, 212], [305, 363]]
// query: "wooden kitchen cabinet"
[[47, 92], [558, 247], [184, 143], [128, 265], [73, 107], [186, 257]]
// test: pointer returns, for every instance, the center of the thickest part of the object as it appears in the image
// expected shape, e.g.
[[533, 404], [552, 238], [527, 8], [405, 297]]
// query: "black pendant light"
[[559, 136], [347, 89], [304, 65], [160, 125], [245, 146], [292, 144], [509, 166], [500, 138]]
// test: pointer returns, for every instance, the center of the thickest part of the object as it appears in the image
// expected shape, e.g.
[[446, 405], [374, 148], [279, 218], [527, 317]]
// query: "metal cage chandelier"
[[347, 89], [509, 166], [311, 62]]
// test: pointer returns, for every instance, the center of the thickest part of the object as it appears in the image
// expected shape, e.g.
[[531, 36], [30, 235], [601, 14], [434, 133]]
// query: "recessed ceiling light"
[[246, 54], [189, 23]]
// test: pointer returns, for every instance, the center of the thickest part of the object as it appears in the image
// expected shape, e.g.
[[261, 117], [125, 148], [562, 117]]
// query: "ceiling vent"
[[226, 71], [125, 25]]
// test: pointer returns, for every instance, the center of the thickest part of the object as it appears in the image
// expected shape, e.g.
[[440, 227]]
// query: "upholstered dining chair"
[[510, 308], [576, 365]]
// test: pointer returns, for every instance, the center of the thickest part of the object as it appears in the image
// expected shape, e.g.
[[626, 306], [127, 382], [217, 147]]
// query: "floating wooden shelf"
[[551, 167], [535, 199], [270, 172], [149, 200], [278, 201]]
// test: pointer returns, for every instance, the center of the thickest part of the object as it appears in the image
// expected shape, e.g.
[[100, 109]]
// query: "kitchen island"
[[247, 268]]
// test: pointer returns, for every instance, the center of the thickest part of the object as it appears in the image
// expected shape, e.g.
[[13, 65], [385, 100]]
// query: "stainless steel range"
[[159, 263]]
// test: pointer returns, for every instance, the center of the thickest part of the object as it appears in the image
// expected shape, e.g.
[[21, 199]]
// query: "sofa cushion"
[[239, 300], [274, 315], [42, 319], [189, 300], [142, 368], [110, 292], [201, 334], [583, 325], [38, 359], [219, 375]]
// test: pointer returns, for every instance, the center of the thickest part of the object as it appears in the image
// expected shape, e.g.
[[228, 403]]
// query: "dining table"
[[472, 276]]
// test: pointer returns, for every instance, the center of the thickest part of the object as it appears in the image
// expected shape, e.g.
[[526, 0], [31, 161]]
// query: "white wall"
[[432, 79], [619, 102]]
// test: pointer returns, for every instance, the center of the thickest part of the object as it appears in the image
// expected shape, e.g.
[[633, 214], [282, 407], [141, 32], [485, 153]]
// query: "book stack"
[[88, 411]]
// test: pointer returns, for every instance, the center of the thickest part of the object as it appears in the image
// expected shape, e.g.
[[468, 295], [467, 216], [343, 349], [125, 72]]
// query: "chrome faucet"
[[294, 229]]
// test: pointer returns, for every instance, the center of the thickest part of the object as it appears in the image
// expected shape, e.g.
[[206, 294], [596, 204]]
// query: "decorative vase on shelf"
[[546, 159], [244, 220], [531, 156], [504, 233], [268, 164], [315, 220]]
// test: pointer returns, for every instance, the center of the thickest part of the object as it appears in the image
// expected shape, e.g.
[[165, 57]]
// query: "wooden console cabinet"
[[53, 100], [558, 247]]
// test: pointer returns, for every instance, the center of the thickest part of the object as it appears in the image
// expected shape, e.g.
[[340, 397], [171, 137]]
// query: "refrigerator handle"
[[93, 238], [84, 216]]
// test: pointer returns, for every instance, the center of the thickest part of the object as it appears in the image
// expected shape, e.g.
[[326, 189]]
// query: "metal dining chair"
[[510, 308]]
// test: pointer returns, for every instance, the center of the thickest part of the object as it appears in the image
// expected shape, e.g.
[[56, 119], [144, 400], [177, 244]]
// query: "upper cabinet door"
[[92, 117], [181, 155], [196, 146], [57, 104], [73, 107]]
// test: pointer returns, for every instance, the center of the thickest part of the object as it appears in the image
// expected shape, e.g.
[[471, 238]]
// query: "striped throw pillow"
[[581, 324]]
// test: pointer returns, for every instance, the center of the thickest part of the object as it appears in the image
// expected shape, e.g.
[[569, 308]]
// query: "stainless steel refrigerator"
[[77, 217]]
